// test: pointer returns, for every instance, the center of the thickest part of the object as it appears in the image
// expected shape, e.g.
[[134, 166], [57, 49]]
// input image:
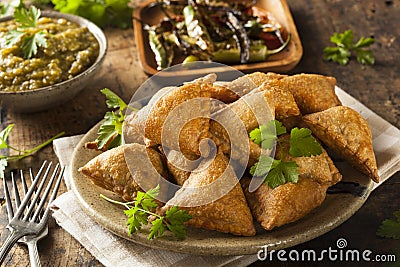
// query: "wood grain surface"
[[378, 87]]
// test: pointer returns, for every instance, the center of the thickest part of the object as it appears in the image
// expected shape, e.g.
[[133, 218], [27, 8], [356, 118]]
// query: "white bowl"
[[53, 95]]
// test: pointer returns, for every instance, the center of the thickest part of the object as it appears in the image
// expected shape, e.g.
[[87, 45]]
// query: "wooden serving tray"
[[281, 62]]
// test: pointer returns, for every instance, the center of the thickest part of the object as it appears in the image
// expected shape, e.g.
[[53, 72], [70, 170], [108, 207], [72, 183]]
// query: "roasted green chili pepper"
[[241, 37], [163, 54], [196, 29], [258, 53]]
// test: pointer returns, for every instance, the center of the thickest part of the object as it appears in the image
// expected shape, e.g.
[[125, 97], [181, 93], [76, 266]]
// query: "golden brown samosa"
[[180, 118], [319, 168], [224, 207], [258, 78], [312, 92], [110, 170], [346, 133], [285, 203]]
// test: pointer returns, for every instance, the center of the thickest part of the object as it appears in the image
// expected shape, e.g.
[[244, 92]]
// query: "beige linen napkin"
[[114, 251]]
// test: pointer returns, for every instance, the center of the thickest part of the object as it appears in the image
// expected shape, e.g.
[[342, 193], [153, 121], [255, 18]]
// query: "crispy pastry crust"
[[228, 214], [193, 130], [312, 92], [285, 203], [348, 134], [258, 78], [319, 168], [110, 170]]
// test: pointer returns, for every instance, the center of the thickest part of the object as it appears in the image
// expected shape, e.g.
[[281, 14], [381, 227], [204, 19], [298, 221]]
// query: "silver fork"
[[30, 219], [31, 240]]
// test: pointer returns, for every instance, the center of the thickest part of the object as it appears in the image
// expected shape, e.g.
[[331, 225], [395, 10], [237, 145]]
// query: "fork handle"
[[8, 244], [33, 253]]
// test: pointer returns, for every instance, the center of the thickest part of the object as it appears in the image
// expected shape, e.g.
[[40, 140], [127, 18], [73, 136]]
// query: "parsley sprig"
[[139, 211], [110, 131], [345, 45], [21, 153], [276, 172], [390, 228], [31, 40]]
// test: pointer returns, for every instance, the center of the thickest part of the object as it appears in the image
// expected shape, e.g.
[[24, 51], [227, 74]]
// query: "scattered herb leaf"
[[341, 53], [276, 172], [175, 219], [113, 100], [266, 135], [139, 211], [109, 134], [303, 144], [31, 40], [21, 153], [390, 228]]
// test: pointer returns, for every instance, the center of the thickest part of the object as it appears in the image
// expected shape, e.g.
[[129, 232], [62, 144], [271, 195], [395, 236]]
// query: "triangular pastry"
[[346, 133], [319, 168], [179, 119], [225, 208], [312, 92], [258, 78], [284, 204], [110, 170]]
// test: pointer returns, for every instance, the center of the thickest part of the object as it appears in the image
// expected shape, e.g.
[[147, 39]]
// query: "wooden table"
[[378, 87]]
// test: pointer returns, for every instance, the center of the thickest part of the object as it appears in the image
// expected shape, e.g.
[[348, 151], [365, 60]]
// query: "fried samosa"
[[110, 170], [258, 78], [180, 118], [286, 109], [312, 92], [223, 205], [319, 168], [230, 126], [347, 134], [284, 204]]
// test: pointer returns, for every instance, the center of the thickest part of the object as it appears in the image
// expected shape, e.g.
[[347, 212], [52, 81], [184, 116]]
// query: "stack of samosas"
[[171, 140]]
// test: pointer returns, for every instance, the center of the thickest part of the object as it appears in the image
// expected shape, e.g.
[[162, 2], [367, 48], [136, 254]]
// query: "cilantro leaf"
[[303, 144], [281, 173], [364, 42], [157, 228], [390, 228], [365, 57], [27, 19], [135, 220], [31, 43], [113, 100], [4, 136], [290, 171], [138, 213], [13, 36], [262, 167], [110, 131], [345, 45], [176, 219], [275, 172], [31, 40], [266, 135], [255, 135]]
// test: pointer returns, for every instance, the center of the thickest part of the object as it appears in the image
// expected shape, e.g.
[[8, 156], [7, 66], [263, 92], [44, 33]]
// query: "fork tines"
[[33, 202]]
